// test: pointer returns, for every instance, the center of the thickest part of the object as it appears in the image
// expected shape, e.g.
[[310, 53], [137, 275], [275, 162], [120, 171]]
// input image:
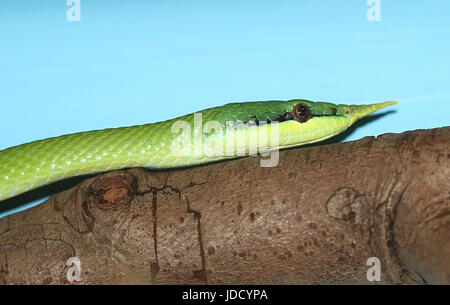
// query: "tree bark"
[[317, 217]]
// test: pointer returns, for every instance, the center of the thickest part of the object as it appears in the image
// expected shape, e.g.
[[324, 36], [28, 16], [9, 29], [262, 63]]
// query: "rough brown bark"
[[315, 218]]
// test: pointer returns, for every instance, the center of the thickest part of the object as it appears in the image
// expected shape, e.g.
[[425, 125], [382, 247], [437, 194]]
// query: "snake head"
[[304, 110], [307, 122]]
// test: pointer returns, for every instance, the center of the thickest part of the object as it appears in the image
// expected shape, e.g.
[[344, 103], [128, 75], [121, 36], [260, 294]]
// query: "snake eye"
[[302, 112]]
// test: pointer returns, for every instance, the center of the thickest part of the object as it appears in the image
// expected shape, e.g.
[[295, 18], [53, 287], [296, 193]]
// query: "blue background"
[[135, 62]]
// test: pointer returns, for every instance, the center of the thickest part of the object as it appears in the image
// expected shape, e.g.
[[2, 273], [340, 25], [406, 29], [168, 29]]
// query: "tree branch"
[[317, 217]]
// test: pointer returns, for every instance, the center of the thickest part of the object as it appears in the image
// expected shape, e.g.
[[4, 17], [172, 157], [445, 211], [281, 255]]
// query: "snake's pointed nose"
[[359, 111]]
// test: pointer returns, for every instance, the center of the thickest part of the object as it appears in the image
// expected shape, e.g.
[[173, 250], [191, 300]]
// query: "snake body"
[[178, 142]]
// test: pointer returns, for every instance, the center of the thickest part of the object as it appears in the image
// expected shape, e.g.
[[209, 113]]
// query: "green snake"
[[217, 133]]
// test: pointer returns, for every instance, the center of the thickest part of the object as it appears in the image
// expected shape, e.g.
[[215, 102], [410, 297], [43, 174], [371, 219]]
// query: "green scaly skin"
[[27, 166]]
